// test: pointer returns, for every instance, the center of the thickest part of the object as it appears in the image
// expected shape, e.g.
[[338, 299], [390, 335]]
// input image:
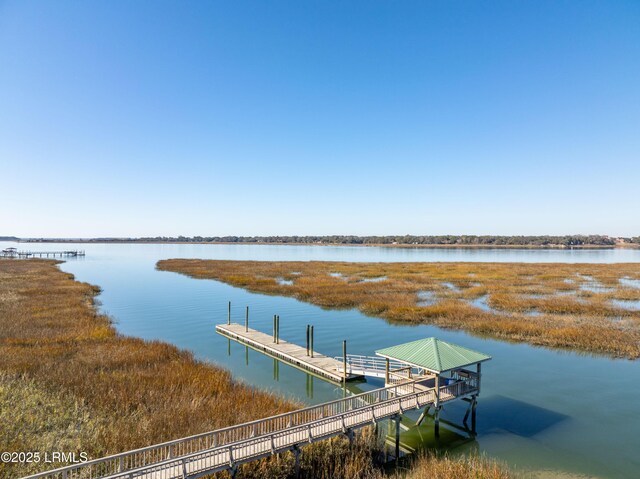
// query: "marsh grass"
[[429, 465], [33, 418], [573, 305], [101, 393], [70, 383]]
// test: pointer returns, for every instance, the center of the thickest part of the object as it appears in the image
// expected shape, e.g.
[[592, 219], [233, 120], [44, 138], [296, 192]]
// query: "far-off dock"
[[14, 253]]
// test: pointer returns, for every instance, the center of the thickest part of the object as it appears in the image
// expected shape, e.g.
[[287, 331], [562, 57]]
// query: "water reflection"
[[310, 380]]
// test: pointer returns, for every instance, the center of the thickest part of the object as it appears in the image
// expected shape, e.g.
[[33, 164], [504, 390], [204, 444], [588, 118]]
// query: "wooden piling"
[[397, 437], [296, 454], [344, 359], [386, 371], [473, 415], [422, 416]]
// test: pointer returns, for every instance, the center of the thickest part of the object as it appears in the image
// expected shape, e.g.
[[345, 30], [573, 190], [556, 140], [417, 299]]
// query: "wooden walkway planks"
[[283, 432], [224, 449], [319, 364], [227, 457]]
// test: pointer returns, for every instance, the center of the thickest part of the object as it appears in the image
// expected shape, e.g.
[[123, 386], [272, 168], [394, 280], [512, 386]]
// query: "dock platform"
[[320, 365]]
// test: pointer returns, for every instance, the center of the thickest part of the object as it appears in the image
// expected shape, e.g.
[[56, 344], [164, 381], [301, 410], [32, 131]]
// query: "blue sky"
[[318, 117]]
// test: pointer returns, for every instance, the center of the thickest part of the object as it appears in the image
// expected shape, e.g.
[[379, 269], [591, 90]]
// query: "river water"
[[546, 411]]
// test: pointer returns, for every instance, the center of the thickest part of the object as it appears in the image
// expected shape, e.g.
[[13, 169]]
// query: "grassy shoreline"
[[570, 306], [70, 383], [105, 393]]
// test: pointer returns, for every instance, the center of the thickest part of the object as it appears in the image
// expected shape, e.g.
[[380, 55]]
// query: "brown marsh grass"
[[106, 392], [70, 383], [429, 465], [556, 305]]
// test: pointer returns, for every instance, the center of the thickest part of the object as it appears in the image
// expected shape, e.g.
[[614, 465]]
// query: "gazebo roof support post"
[[437, 405]]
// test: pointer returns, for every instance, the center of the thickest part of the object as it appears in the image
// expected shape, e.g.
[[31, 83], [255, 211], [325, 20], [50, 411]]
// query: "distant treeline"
[[441, 240]]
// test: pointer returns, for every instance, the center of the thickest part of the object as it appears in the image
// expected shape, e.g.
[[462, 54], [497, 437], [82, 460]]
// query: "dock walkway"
[[320, 365], [225, 449]]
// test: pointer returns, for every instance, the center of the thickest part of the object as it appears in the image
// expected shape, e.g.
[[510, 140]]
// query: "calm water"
[[539, 409]]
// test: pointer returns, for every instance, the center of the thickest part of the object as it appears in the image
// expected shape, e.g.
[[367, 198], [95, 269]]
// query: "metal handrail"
[[459, 387], [223, 457], [193, 444], [372, 363], [214, 460]]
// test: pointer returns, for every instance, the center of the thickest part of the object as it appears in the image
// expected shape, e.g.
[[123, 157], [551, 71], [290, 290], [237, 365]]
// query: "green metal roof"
[[433, 354]]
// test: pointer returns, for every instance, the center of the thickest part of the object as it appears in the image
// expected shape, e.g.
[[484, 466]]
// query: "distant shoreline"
[[378, 245]]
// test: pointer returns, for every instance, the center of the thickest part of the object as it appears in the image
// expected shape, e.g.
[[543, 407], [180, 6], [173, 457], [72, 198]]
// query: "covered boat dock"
[[434, 363]]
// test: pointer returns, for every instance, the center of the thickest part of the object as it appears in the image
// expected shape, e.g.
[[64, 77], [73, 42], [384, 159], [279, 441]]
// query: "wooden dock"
[[13, 253], [320, 365], [226, 449], [406, 388]]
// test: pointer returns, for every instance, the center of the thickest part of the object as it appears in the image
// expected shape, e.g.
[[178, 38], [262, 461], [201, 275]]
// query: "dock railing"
[[222, 448], [458, 388], [373, 365], [192, 444]]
